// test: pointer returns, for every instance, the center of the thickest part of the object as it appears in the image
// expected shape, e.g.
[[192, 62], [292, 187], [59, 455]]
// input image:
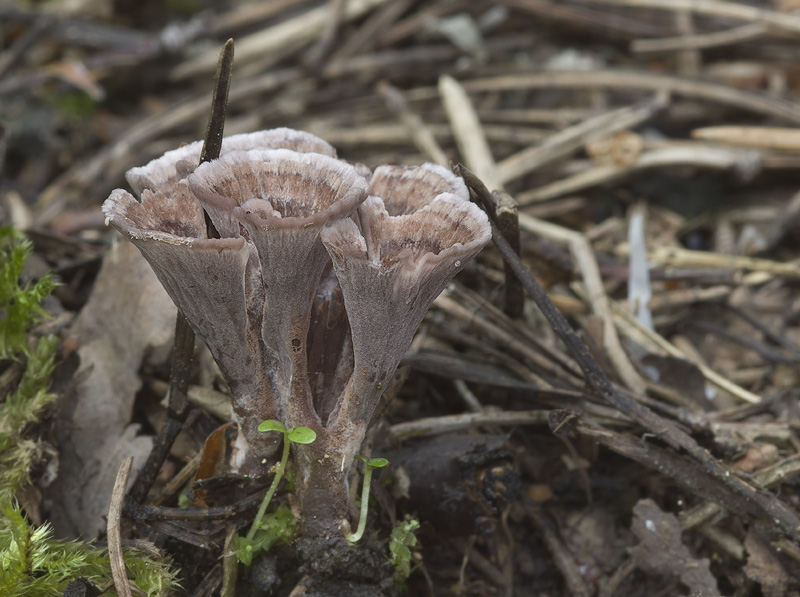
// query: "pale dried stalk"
[[557, 117], [251, 12], [746, 162], [677, 257], [118, 572], [673, 299], [573, 138], [762, 137], [398, 134], [414, 126], [230, 563], [365, 38], [451, 423], [701, 41], [628, 80], [718, 8], [270, 44], [689, 60], [470, 138]]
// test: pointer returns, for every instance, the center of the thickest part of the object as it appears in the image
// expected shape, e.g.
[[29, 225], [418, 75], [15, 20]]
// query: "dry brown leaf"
[[764, 567], [661, 550], [128, 318]]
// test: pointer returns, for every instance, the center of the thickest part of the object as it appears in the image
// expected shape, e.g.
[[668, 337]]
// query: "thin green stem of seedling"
[[362, 521], [301, 435], [272, 488]]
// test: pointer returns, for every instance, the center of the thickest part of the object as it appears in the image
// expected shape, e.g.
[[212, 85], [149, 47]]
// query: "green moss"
[[20, 306], [276, 527], [22, 408], [150, 572], [32, 562]]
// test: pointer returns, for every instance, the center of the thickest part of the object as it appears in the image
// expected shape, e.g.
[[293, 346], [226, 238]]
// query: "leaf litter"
[[719, 213]]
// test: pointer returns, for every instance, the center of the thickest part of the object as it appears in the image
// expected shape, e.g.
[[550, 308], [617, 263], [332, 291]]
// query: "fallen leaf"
[[764, 567], [661, 550], [128, 317]]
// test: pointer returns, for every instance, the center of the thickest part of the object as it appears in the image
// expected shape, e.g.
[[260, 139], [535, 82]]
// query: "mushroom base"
[[323, 500]]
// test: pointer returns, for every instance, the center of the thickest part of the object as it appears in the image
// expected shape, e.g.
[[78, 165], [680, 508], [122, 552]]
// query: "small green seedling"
[[400, 544], [278, 526], [247, 547], [362, 521]]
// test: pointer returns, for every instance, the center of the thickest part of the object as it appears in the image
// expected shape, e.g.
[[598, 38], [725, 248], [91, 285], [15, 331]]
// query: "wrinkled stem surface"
[[322, 485]]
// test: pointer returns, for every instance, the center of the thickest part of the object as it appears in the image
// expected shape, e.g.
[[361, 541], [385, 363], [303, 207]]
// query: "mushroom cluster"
[[311, 294]]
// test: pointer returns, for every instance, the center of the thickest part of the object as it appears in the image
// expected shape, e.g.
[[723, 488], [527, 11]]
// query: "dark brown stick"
[[183, 350], [507, 218], [212, 144]]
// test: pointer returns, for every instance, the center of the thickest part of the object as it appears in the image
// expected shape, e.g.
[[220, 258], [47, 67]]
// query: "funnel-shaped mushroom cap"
[[393, 268], [214, 282], [282, 199], [405, 190], [164, 172], [159, 215], [288, 189]]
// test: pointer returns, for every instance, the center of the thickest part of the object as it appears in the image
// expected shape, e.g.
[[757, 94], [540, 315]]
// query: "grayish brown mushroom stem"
[[322, 481]]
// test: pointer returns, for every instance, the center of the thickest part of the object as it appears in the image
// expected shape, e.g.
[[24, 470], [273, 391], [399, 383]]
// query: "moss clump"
[[23, 405], [21, 408], [32, 562], [20, 306], [400, 544]]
